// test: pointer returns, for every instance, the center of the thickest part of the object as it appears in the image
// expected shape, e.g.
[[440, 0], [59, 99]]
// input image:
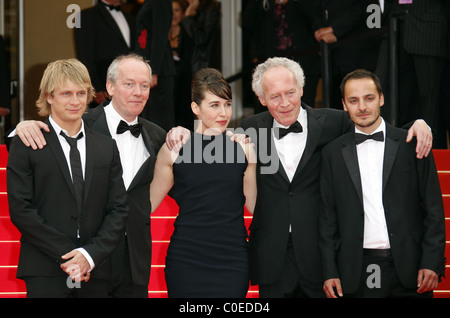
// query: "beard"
[[368, 122]]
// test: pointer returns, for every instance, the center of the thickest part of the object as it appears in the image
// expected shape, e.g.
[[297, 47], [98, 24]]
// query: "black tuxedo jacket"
[[281, 202], [138, 223], [99, 41], [43, 207], [412, 202]]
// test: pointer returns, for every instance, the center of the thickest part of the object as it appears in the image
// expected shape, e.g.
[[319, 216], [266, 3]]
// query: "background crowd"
[[181, 36], [295, 29]]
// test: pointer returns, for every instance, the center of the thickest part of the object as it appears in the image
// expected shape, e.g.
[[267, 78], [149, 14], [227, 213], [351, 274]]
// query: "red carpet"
[[162, 227]]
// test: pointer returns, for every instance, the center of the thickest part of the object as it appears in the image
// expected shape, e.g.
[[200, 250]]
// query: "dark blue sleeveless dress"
[[208, 252]]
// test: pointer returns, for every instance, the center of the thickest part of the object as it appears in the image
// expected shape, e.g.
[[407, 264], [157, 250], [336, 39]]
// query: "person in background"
[[106, 32], [284, 28], [341, 24], [182, 48], [202, 24], [152, 27], [421, 60]]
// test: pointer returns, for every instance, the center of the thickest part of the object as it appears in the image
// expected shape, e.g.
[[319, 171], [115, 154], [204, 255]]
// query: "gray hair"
[[261, 69], [113, 69]]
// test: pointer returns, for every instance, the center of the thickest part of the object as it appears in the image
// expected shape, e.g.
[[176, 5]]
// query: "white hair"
[[113, 69], [260, 70]]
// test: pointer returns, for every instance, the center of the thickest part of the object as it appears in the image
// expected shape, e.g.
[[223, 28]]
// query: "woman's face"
[[214, 114], [177, 13]]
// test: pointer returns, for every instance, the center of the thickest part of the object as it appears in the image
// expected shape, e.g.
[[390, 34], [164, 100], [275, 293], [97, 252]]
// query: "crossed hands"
[[77, 266]]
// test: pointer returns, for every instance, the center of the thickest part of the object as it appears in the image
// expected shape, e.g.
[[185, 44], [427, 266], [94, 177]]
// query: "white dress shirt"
[[132, 150], [81, 145], [370, 160], [291, 147]]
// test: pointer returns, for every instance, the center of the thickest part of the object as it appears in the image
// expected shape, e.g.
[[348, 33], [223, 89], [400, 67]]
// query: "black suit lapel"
[[55, 146], [143, 170], [148, 140], [351, 158], [267, 145], [96, 120], [390, 153], [90, 161], [351, 161], [315, 126]]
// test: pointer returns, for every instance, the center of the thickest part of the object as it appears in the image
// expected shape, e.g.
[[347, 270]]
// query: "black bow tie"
[[295, 128], [117, 8], [134, 129], [359, 138]]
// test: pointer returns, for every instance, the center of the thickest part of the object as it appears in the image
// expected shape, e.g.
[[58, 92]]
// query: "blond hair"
[[55, 75]]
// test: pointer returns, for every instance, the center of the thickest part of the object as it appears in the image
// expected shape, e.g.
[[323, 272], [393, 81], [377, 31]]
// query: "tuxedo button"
[[291, 193]]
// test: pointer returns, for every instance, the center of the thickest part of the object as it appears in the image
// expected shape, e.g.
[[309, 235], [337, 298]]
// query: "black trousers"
[[122, 285], [382, 281], [289, 283], [64, 287]]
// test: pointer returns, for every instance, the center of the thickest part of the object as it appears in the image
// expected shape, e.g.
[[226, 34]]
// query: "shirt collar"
[[381, 127], [58, 129], [114, 117]]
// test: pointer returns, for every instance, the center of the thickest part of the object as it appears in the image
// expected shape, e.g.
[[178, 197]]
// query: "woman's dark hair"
[[209, 80]]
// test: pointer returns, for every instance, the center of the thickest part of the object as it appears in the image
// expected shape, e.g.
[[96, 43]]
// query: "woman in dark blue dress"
[[213, 178]]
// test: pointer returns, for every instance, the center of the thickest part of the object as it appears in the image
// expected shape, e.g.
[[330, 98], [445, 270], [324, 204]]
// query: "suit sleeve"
[[327, 219], [24, 214], [433, 242], [113, 225]]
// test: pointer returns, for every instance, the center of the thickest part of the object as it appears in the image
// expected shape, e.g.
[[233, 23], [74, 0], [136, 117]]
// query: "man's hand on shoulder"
[[29, 131]]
